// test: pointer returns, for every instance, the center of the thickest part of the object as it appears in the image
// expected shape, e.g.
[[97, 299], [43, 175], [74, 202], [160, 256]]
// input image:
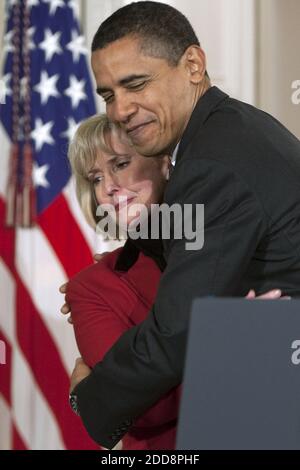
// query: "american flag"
[[39, 344]]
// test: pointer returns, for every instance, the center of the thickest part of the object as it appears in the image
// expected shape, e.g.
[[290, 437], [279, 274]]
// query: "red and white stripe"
[[40, 346]]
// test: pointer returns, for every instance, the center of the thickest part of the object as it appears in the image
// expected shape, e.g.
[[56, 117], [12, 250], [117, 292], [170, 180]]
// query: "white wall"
[[252, 46], [225, 29], [279, 59], [93, 12]]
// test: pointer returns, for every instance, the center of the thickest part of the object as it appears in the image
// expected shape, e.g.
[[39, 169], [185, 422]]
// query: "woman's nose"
[[111, 185]]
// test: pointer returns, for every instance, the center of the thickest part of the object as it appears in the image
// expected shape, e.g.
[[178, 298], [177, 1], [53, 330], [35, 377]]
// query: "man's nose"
[[122, 109]]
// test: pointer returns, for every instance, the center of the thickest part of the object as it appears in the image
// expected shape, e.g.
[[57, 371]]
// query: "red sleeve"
[[97, 327]]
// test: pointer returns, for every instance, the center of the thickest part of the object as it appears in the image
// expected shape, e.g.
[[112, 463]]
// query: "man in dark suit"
[[242, 164]]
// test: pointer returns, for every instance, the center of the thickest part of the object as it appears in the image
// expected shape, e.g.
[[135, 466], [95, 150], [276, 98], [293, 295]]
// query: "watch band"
[[73, 400]]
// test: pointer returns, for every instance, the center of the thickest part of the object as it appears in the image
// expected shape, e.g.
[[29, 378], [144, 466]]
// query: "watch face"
[[74, 403]]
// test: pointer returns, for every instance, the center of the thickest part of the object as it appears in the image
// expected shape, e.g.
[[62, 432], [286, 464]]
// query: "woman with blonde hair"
[[115, 294], [109, 297]]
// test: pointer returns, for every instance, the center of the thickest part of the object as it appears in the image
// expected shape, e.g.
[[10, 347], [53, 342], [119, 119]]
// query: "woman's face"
[[124, 178]]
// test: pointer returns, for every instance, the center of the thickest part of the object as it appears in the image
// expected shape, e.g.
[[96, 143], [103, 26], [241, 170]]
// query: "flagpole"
[[28, 193], [13, 198]]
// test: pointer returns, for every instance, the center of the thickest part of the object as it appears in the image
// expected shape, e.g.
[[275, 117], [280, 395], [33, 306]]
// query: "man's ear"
[[195, 63]]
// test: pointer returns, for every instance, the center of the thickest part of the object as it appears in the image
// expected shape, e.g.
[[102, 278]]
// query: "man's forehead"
[[125, 57], [119, 51]]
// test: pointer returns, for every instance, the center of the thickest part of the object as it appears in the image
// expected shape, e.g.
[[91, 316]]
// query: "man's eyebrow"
[[123, 82]]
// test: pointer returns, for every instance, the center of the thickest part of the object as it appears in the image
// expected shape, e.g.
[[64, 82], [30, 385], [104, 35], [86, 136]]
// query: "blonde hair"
[[83, 151]]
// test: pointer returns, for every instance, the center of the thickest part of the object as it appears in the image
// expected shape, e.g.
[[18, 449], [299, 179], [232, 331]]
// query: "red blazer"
[[105, 303]]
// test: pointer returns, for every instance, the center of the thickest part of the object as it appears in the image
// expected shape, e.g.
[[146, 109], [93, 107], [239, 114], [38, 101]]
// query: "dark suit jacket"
[[106, 299], [245, 167]]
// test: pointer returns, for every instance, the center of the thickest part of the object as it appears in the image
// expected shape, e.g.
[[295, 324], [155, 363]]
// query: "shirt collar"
[[174, 154], [205, 106]]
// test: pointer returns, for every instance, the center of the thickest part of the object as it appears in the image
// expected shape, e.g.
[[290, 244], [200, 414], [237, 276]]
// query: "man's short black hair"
[[164, 31]]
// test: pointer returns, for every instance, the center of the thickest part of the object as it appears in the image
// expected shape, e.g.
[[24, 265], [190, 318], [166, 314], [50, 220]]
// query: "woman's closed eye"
[[96, 180], [121, 165]]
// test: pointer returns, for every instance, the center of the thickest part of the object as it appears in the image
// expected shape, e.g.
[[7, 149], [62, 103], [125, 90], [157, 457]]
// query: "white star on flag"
[[75, 91], [42, 134], [51, 45], [54, 4], [74, 5], [76, 46], [4, 89], [72, 128], [39, 175], [47, 86], [7, 41], [32, 3]]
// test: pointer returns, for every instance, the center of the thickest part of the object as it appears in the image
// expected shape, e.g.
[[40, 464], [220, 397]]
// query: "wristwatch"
[[73, 400]]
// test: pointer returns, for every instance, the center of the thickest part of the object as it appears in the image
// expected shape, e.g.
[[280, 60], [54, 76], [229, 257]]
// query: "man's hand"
[[80, 372], [98, 256], [270, 295], [65, 309]]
